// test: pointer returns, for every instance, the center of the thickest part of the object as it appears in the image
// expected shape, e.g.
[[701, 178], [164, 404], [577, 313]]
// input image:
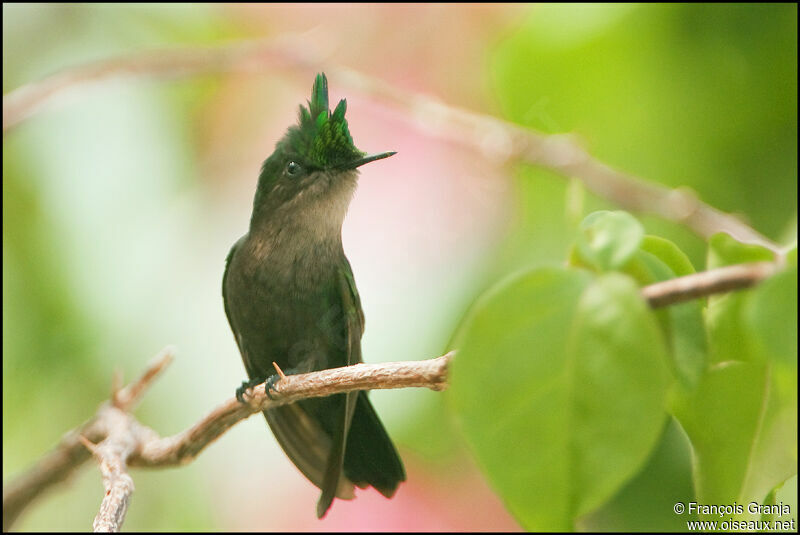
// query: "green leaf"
[[724, 250], [770, 312], [645, 503], [560, 385], [791, 256], [607, 240], [657, 260], [647, 268], [669, 253], [742, 417], [726, 331], [742, 425]]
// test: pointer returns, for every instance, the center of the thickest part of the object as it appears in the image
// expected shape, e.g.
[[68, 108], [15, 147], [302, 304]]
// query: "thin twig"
[[127, 398], [495, 138], [118, 439], [705, 283], [506, 141], [70, 453], [55, 467]]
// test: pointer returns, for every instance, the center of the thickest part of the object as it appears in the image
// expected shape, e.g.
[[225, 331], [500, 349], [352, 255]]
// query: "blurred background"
[[122, 198]]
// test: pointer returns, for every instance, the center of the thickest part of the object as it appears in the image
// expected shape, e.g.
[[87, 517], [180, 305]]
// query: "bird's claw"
[[269, 385], [246, 385]]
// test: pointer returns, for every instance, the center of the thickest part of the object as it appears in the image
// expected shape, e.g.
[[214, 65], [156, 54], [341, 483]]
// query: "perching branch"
[[495, 138], [184, 447], [118, 440]]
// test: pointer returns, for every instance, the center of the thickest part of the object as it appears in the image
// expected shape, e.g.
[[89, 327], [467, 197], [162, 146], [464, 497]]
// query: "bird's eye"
[[293, 169]]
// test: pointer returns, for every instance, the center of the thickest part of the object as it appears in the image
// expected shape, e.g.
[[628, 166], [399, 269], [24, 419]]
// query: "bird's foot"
[[272, 380], [246, 385], [269, 385]]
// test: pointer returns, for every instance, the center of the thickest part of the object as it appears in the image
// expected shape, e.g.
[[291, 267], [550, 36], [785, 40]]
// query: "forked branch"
[[118, 440]]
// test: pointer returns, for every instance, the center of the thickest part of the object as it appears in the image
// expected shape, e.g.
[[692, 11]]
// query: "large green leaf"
[[657, 260], [742, 417], [726, 331], [771, 315], [742, 423], [645, 503], [560, 384], [615, 240]]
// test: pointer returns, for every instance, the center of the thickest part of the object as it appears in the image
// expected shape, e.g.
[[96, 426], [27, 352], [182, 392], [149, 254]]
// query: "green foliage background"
[[702, 96], [698, 96]]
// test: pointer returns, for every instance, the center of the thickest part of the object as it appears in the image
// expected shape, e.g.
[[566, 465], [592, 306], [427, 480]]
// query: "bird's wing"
[[354, 327], [300, 435], [224, 290], [353, 313]]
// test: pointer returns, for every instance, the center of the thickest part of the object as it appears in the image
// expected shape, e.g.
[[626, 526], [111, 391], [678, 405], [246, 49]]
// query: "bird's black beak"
[[367, 159]]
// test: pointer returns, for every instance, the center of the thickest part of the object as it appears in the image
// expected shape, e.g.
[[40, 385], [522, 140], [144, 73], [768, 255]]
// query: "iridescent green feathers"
[[321, 139]]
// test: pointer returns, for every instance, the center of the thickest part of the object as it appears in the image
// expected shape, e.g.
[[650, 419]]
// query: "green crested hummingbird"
[[291, 299]]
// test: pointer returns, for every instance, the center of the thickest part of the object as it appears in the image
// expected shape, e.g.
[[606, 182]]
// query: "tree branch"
[[705, 283], [112, 454], [55, 467], [118, 440], [492, 137], [127, 398], [184, 447], [70, 453]]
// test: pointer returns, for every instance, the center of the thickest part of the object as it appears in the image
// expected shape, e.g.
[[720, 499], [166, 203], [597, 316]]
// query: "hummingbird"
[[291, 301]]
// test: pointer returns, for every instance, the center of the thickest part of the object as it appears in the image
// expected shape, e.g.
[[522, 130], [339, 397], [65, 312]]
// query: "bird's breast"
[[285, 306]]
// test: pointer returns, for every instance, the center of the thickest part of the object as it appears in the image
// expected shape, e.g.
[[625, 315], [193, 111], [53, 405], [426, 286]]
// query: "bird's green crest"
[[322, 138]]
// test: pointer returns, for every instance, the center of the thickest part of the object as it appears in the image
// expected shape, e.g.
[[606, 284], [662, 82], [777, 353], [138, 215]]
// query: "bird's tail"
[[306, 444], [333, 472], [370, 457]]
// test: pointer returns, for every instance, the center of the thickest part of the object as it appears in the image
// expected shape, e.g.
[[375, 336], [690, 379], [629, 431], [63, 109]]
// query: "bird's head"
[[315, 161]]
